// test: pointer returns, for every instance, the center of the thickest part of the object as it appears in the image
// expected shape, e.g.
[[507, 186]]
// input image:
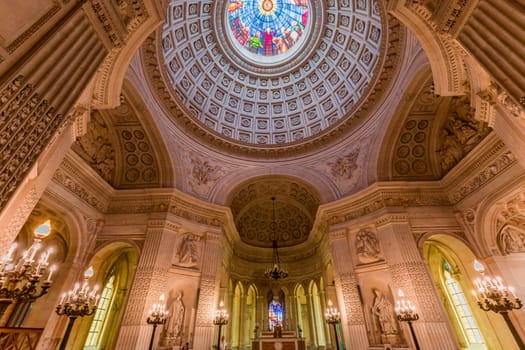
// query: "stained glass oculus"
[[268, 27]]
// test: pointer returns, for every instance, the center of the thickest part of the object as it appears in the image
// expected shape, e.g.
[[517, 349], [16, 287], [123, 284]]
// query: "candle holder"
[[493, 295], [22, 279], [157, 315], [333, 317], [79, 302], [220, 319], [406, 312]]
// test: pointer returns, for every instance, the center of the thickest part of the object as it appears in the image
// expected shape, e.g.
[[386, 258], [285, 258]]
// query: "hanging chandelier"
[[275, 272]]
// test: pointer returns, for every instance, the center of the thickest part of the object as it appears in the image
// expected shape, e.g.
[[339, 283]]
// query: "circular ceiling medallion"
[[263, 28]]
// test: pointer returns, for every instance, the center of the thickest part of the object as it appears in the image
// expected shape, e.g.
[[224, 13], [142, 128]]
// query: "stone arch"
[[444, 53], [444, 248], [118, 259], [110, 75]]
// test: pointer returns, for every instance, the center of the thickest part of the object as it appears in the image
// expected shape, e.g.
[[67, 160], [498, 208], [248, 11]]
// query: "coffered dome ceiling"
[[296, 205], [312, 65]]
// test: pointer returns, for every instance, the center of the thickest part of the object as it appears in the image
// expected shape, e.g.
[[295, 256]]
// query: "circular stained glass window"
[[268, 27]]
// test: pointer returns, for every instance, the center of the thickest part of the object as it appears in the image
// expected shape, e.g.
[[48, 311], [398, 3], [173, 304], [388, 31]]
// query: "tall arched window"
[[101, 315], [461, 308]]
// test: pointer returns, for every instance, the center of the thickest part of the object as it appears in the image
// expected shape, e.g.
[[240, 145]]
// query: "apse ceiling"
[[270, 73], [295, 204]]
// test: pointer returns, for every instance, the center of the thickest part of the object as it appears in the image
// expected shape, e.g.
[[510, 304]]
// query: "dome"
[[271, 98]]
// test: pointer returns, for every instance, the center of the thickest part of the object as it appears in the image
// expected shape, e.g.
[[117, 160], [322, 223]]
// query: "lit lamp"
[[79, 302], [275, 272], [220, 319], [493, 295], [22, 279], [406, 312], [157, 315], [333, 317]]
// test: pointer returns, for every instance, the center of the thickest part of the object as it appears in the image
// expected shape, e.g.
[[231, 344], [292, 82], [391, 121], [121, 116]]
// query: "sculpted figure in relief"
[[367, 246], [187, 252], [384, 313], [511, 240]]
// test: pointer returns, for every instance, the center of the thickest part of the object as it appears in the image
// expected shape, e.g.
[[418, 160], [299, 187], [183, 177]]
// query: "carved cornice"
[[75, 180], [375, 198], [391, 218], [162, 202]]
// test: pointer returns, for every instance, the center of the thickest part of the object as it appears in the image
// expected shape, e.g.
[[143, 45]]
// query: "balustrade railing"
[[19, 338]]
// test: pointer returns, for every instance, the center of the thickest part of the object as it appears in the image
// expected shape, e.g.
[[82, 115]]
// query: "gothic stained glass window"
[[267, 27], [275, 314]]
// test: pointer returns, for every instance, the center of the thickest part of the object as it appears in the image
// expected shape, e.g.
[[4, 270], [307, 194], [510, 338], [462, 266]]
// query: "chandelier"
[[275, 272], [23, 278]]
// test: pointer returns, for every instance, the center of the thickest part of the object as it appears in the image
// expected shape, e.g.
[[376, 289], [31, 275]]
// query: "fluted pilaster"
[[208, 295], [354, 328], [410, 274], [150, 281]]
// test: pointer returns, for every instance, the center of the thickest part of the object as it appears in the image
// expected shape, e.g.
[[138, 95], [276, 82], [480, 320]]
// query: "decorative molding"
[[73, 185], [15, 44], [379, 199], [483, 176], [496, 94], [32, 124]]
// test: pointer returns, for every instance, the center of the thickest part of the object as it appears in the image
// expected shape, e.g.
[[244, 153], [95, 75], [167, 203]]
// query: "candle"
[[51, 270]]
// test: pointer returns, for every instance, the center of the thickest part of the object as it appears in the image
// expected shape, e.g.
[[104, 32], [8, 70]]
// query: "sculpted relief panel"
[[460, 133], [96, 148], [187, 253], [510, 225], [367, 247]]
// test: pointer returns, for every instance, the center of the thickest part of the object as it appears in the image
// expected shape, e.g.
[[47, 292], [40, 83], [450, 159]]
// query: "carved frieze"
[[484, 176], [384, 199]]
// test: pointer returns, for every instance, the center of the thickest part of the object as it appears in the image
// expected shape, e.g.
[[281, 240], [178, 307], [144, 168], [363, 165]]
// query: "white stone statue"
[[176, 317], [384, 313]]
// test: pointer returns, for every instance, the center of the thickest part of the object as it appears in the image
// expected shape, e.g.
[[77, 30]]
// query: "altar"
[[285, 340]]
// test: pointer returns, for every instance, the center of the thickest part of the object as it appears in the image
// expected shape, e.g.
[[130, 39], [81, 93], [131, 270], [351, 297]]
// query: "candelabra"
[[220, 319], [493, 295], [406, 312], [333, 317], [157, 315], [21, 279], [79, 302]]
